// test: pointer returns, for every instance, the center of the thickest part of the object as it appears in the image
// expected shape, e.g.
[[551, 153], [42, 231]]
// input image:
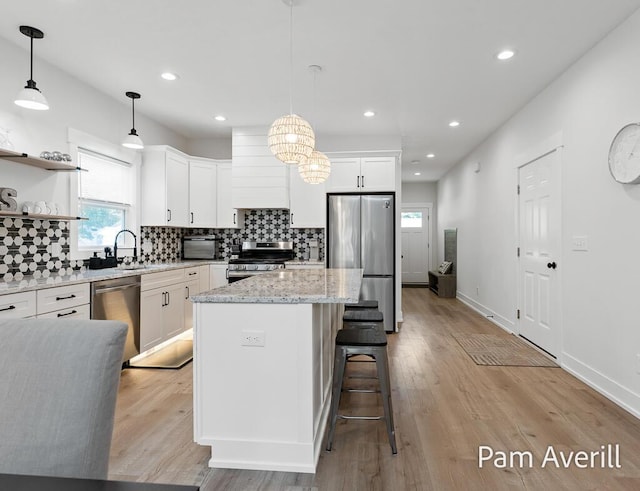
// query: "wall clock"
[[624, 155]]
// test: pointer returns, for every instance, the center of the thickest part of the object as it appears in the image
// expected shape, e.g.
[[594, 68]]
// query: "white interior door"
[[539, 224], [415, 229]]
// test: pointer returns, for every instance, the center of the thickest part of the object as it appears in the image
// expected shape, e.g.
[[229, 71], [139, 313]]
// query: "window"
[[106, 195], [411, 219]]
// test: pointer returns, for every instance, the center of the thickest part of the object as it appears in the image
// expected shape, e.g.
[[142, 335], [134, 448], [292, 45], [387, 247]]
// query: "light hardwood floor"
[[445, 407]]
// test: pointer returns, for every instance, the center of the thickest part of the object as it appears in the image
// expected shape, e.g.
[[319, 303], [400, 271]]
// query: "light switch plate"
[[579, 243]]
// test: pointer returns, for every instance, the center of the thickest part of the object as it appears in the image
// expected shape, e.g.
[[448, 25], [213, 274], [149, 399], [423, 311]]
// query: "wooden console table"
[[444, 285]]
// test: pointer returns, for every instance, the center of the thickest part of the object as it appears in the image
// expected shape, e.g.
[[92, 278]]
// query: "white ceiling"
[[417, 63]]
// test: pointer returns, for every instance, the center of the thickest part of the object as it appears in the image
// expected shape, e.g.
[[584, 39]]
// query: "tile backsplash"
[[40, 248], [163, 243], [37, 248]]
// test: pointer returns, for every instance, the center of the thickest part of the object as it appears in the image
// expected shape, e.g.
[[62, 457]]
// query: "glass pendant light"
[[30, 96], [291, 138], [132, 140], [315, 169]]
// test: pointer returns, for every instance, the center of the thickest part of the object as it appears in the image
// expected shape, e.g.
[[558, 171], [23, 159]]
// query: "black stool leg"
[[339, 362], [382, 364]]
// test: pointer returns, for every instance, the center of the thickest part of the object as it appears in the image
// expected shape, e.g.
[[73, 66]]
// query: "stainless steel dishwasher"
[[119, 300]]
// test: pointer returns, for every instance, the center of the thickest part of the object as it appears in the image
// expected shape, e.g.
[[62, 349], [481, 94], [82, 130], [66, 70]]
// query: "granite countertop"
[[290, 286], [84, 275]]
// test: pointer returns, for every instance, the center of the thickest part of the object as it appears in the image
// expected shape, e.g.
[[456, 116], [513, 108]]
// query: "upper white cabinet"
[[362, 174], [202, 193], [227, 215], [260, 180], [165, 184], [308, 202]]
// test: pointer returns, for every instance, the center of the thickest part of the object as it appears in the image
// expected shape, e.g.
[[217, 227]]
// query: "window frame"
[[79, 141]]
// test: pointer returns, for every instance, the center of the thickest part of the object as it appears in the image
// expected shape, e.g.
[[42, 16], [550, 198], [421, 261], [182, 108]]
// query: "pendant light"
[[317, 167], [291, 138], [132, 140], [31, 97]]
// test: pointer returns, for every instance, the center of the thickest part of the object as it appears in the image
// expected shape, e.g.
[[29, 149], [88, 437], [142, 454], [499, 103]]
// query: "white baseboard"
[[623, 397], [486, 312]]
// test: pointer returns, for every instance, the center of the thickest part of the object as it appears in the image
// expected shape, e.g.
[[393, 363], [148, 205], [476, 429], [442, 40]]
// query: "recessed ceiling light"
[[431, 155], [416, 173], [220, 117], [505, 54], [453, 124], [369, 114], [169, 76]]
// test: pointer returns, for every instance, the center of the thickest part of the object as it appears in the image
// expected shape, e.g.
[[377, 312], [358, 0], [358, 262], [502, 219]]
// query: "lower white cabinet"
[[218, 276], [161, 307], [190, 288], [79, 312], [64, 302], [17, 305]]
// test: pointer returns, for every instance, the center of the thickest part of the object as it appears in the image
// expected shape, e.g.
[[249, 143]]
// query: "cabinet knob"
[[552, 265]]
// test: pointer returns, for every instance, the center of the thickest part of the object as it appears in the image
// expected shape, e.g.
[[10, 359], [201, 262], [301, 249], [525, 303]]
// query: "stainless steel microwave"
[[199, 247]]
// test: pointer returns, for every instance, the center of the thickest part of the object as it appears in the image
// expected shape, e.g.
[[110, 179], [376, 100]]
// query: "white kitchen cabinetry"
[[227, 215], [68, 302], [202, 193], [204, 277], [308, 202], [17, 305], [190, 288], [218, 276], [260, 180], [161, 307], [362, 174], [165, 184]]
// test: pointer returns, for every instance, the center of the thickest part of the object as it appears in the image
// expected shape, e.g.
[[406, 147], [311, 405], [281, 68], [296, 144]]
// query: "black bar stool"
[[371, 342], [362, 315], [362, 304]]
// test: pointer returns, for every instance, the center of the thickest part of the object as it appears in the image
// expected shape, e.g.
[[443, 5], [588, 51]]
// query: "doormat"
[[176, 355], [507, 351]]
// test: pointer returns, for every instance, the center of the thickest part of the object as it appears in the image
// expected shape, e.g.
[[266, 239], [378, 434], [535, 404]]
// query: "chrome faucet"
[[135, 244]]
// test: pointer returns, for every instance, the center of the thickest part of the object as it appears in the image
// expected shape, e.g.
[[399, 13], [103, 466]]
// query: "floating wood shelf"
[[23, 158], [37, 216]]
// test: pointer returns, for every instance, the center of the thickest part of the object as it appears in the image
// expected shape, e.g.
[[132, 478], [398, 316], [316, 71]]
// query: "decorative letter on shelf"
[[7, 201]]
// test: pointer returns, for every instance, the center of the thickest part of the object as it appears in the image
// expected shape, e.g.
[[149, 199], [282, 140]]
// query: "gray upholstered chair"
[[58, 387]]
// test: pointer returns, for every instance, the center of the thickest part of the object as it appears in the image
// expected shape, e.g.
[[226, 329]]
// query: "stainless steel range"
[[259, 258]]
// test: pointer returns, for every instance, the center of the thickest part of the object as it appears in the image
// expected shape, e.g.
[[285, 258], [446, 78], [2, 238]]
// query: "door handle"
[[187, 297], [362, 179], [292, 219], [358, 182], [552, 265], [234, 218], [168, 215], [191, 217]]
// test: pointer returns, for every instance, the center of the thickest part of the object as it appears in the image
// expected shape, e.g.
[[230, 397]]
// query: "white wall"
[[73, 104], [213, 148], [587, 105]]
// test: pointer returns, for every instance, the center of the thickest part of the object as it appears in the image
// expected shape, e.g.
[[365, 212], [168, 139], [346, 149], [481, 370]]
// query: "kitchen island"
[[263, 363]]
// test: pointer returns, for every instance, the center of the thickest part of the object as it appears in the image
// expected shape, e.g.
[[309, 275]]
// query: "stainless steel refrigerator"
[[361, 234]]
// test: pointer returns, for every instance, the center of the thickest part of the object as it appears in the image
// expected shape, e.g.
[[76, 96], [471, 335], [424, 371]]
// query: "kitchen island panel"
[[263, 407]]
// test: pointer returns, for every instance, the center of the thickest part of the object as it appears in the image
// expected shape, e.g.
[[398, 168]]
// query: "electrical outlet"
[[252, 338]]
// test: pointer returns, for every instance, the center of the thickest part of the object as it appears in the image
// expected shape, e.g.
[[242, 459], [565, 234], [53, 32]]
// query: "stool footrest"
[[368, 418], [365, 391]]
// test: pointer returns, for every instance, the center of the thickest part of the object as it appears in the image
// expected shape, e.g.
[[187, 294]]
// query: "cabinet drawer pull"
[[68, 313], [65, 298], [10, 307], [192, 273]]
